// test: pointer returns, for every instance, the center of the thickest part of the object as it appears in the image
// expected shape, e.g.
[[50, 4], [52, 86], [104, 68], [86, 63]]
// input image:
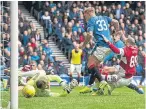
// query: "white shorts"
[[75, 68], [122, 82], [120, 71], [101, 52]]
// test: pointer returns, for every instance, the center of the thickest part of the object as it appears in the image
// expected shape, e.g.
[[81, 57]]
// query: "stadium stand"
[[50, 29]]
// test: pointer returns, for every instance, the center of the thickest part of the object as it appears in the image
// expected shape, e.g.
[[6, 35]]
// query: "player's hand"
[[105, 39]]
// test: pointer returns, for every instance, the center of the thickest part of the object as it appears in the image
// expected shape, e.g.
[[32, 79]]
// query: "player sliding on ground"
[[41, 82], [126, 69], [97, 25], [116, 78]]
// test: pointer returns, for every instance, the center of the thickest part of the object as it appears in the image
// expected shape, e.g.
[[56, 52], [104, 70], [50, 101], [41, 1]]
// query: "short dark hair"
[[41, 84]]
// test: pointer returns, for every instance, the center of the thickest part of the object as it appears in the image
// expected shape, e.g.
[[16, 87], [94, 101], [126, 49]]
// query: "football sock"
[[71, 78], [96, 74], [92, 78], [132, 86], [78, 80]]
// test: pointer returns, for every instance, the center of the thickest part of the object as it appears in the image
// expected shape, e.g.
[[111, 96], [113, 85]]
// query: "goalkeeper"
[[41, 83]]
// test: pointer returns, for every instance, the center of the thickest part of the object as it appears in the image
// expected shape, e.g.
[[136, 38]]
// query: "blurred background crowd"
[[64, 22]]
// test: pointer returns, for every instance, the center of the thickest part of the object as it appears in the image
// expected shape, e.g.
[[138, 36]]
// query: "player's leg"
[[93, 70], [78, 69], [60, 81], [72, 69], [92, 65], [93, 61], [99, 55], [127, 82], [136, 88], [143, 76]]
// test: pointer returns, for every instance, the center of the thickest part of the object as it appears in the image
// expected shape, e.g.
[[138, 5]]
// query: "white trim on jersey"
[[121, 51]]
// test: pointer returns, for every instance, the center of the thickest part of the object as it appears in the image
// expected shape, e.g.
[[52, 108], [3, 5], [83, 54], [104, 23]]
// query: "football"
[[74, 83], [28, 91]]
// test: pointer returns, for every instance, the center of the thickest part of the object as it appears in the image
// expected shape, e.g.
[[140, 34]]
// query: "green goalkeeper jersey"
[[47, 78]]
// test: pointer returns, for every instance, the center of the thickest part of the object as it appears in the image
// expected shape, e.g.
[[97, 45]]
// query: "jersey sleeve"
[[108, 19], [116, 50]]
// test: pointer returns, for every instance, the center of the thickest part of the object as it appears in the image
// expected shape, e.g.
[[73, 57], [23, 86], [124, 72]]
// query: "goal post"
[[14, 55]]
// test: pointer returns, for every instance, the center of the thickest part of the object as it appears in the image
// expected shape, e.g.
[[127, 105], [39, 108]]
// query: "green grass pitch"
[[121, 98]]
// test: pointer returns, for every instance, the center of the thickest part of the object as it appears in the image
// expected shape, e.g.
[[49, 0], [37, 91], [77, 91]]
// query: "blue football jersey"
[[100, 25]]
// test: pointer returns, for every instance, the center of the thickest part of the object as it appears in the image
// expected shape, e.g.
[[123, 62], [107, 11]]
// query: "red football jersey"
[[26, 68], [129, 60]]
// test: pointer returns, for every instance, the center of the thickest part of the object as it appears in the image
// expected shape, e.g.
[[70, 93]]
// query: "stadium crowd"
[[64, 21]]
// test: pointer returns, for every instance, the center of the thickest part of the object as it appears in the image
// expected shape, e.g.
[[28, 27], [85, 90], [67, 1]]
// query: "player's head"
[[33, 65], [76, 47], [89, 12], [41, 84], [130, 41]]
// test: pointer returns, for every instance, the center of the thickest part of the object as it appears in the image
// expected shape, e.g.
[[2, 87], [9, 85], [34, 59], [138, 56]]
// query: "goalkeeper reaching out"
[[41, 82]]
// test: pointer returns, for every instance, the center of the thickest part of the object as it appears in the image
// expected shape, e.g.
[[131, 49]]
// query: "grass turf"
[[122, 98]]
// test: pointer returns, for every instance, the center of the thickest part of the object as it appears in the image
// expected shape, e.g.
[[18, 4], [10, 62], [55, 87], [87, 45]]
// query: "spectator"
[[44, 58], [128, 10], [33, 30], [59, 16], [21, 52], [45, 19], [6, 29], [141, 41], [75, 37], [48, 51], [140, 8], [73, 14], [35, 57], [143, 25], [133, 28], [21, 28], [67, 43], [119, 11], [25, 38], [46, 7], [33, 43], [38, 36], [4, 41], [104, 11]]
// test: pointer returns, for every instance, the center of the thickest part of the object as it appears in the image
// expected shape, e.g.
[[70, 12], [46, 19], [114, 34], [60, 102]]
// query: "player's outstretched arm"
[[113, 47]]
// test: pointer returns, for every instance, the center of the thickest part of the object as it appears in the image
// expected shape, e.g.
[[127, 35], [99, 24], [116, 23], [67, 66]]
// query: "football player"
[[97, 25], [127, 69], [41, 83]]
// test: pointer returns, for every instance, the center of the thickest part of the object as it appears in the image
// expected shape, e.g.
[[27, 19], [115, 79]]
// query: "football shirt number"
[[133, 61], [101, 25]]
